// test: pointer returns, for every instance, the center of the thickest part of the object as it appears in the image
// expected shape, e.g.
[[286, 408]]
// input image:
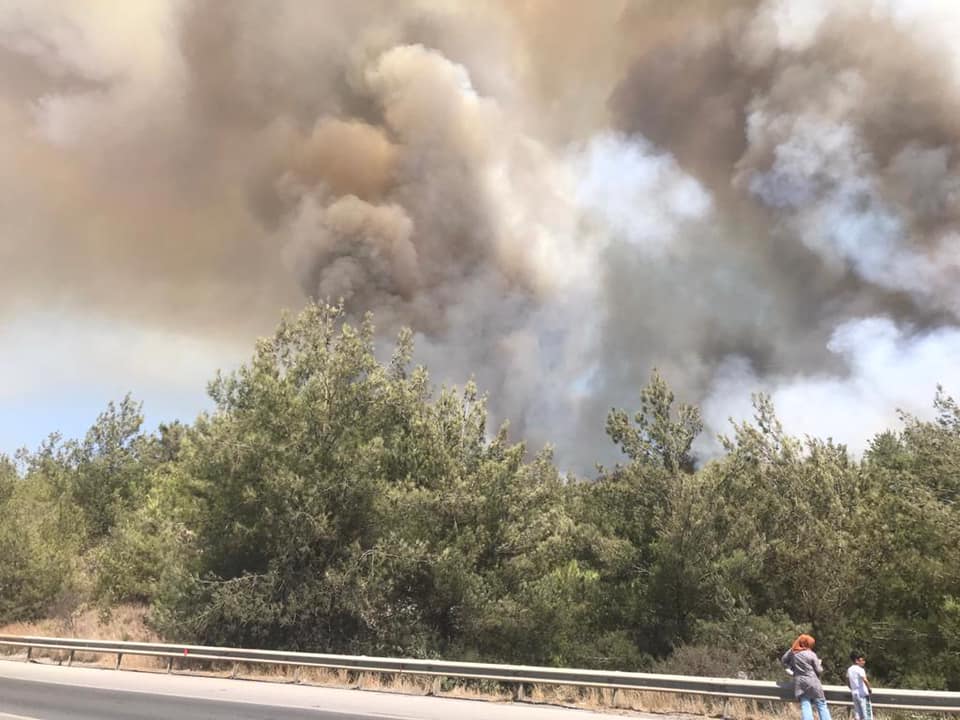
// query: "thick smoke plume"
[[557, 197]]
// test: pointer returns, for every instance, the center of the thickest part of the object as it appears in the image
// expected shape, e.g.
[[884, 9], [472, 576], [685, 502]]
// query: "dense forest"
[[335, 502]]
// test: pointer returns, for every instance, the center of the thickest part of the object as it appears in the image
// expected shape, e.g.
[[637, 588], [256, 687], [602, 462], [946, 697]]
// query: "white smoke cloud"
[[635, 193], [825, 180], [888, 369]]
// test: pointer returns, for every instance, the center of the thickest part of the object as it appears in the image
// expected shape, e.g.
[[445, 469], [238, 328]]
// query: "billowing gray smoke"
[[755, 195]]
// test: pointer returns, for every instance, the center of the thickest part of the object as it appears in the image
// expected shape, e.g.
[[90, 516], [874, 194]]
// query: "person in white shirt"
[[859, 687]]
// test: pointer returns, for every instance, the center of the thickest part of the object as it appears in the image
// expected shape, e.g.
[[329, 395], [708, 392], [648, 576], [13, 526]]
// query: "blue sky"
[[60, 371], [26, 422]]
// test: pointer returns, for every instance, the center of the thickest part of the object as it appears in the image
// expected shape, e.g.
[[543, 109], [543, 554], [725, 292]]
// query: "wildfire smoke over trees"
[[336, 502]]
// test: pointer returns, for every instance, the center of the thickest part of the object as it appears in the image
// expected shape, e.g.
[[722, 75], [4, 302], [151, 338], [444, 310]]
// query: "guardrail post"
[[615, 698], [236, 668], [169, 664], [70, 659], [296, 674], [119, 658], [29, 653], [434, 688], [518, 693]]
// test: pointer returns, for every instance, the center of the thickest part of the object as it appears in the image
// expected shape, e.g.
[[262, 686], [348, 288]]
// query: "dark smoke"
[[556, 197]]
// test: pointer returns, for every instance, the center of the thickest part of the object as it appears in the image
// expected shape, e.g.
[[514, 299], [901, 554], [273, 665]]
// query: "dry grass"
[[673, 704], [124, 622]]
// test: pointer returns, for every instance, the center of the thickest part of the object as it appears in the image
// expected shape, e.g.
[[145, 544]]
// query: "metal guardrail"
[[941, 702]]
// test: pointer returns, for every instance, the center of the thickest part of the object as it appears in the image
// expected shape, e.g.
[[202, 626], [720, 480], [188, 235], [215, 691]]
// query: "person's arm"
[[787, 661], [867, 683], [817, 665]]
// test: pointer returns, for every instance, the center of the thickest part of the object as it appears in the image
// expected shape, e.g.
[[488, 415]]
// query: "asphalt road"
[[38, 691], [49, 701]]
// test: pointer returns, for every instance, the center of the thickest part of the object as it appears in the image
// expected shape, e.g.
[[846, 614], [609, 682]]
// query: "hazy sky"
[[557, 197]]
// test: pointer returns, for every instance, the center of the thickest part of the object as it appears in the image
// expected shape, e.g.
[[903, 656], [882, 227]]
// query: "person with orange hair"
[[802, 662]]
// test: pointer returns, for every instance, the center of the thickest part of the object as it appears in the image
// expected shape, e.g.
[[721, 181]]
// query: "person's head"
[[858, 658], [803, 642]]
